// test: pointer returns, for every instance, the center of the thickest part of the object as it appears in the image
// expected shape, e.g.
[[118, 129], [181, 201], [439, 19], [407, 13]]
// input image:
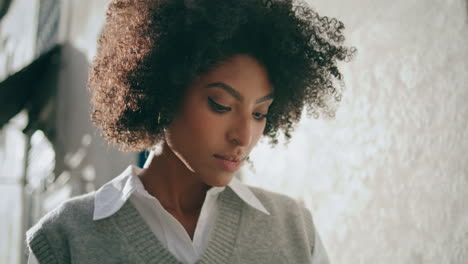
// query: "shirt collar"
[[113, 195]]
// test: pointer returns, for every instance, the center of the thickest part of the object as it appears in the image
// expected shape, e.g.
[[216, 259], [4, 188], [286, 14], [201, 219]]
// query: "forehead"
[[243, 73]]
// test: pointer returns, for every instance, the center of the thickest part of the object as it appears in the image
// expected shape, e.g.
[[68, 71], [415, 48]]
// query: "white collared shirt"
[[113, 195]]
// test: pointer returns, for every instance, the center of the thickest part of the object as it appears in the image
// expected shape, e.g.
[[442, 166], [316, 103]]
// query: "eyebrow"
[[236, 94]]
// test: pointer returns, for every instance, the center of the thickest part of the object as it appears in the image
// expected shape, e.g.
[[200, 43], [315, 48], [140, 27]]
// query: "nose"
[[241, 132]]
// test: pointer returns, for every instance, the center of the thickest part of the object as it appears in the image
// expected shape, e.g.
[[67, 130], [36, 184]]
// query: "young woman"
[[203, 80]]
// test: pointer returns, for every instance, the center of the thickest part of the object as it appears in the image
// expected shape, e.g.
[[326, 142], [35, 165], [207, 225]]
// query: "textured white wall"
[[387, 180]]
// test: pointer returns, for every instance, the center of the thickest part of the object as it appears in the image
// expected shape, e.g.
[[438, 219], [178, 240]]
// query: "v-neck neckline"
[[221, 244]]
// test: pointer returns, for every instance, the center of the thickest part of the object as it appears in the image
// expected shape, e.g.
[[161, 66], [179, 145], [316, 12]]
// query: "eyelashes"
[[217, 107], [260, 116], [220, 109]]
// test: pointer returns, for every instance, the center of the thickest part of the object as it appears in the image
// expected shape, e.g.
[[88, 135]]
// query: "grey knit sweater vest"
[[241, 234]]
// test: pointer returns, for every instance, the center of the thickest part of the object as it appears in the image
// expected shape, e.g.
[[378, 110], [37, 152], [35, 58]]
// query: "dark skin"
[[183, 201], [185, 169]]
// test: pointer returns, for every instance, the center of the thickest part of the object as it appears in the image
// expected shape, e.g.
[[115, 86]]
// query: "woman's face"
[[221, 119]]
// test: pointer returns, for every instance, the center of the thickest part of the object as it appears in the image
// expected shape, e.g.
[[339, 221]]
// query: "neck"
[[178, 189]]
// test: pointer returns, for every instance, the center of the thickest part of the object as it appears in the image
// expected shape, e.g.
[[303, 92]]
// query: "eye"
[[217, 107], [259, 116]]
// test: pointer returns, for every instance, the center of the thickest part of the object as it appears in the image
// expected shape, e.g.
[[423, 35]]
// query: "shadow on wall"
[[52, 90], [76, 135], [31, 88], [71, 106], [4, 5]]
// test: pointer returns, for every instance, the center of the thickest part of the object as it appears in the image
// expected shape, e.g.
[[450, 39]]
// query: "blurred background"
[[386, 180]]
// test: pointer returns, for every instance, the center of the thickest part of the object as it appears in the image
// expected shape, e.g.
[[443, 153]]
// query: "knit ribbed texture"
[[241, 234], [223, 239], [42, 249], [140, 236], [218, 250]]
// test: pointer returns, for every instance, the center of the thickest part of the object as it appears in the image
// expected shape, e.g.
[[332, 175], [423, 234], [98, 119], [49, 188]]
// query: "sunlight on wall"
[[11, 171], [41, 159], [17, 36], [386, 179]]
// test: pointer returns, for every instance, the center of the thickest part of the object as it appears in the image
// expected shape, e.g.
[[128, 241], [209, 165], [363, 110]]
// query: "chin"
[[220, 180], [219, 184]]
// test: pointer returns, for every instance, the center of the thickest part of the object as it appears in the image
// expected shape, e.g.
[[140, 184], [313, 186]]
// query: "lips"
[[228, 163], [229, 157]]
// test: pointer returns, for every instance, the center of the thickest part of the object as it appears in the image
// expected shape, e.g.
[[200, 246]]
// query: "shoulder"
[[278, 203], [269, 196], [291, 220], [285, 208], [48, 238], [82, 206], [68, 213]]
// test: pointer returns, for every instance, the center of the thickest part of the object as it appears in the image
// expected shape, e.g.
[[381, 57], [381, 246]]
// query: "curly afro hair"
[[151, 50]]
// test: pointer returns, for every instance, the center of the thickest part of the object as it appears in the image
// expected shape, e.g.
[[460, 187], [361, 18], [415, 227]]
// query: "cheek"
[[258, 133], [202, 125]]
